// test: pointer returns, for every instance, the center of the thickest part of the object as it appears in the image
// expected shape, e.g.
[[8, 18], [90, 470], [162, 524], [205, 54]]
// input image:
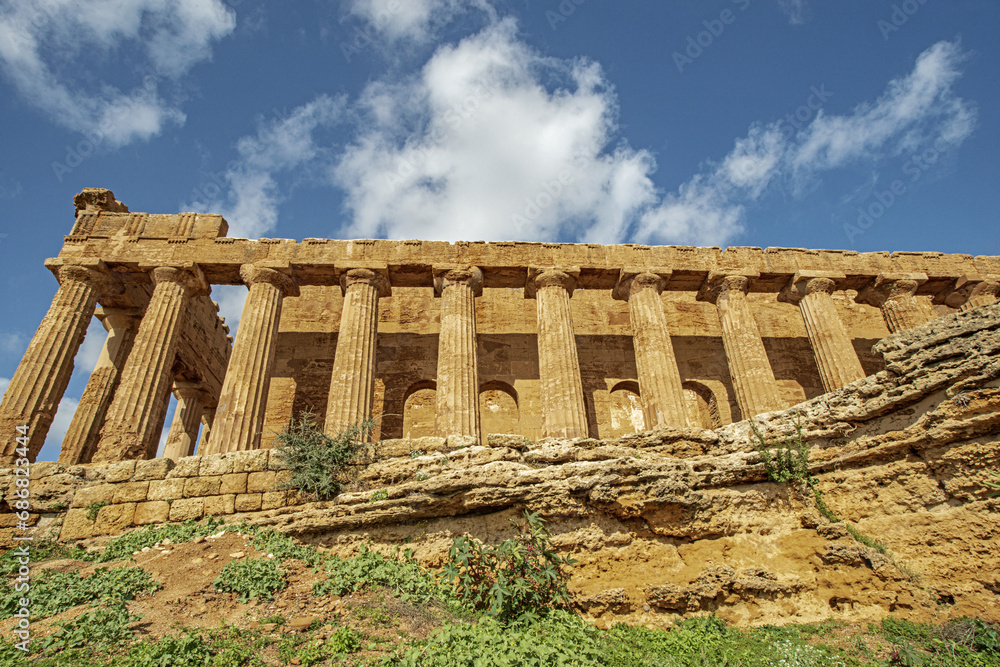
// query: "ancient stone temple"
[[456, 340]]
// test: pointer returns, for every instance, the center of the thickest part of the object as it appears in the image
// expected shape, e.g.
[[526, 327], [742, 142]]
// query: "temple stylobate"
[[456, 340]]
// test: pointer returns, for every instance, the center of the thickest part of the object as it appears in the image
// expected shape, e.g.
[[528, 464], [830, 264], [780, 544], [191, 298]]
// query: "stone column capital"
[[804, 283], [186, 274], [633, 279], [722, 281], [89, 271], [548, 276], [376, 276], [452, 274], [969, 288], [189, 390], [118, 318], [889, 287], [278, 274]]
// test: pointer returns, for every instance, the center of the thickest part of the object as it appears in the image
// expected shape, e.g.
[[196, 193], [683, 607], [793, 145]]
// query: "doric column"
[[753, 379], [84, 431], [183, 433], [207, 419], [659, 378], [457, 375], [971, 292], [564, 413], [836, 359], [239, 419], [893, 293], [33, 394], [135, 419], [352, 385]]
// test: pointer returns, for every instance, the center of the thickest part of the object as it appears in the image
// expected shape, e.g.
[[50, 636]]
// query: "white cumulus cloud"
[[44, 43], [412, 20]]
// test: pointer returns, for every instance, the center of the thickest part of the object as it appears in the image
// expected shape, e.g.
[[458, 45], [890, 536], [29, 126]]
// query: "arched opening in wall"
[[498, 409], [626, 409], [702, 405], [419, 409]]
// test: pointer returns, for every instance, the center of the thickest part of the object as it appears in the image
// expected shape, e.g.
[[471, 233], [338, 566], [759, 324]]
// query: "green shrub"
[[53, 592], [187, 650], [518, 576], [251, 578], [559, 639], [370, 569], [344, 640], [280, 545], [381, 494], [786, 460], [320, 464], [99, 628], [39, 551]]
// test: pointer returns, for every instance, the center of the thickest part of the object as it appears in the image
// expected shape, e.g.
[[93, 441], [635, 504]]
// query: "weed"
[[124, 546], [53, 592], [93, 509], [421, 476], [376, 496], [277, 620], [251, 578], [522, 575], [994, 485], [101, 628], [414, 453], [319, 463], [370, 570]]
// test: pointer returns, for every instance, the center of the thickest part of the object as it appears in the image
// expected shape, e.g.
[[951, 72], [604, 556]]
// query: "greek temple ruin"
[[457, 340]]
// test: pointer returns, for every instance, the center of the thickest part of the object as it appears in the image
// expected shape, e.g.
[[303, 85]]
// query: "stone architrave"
[[753, 379], [33, 394], [183, 434], [894, 294], [135, 419], [352, 384], [457, 372], [971, 292], [239, 418], [660, 387], [836, 358], [564, 413], [84, 431]]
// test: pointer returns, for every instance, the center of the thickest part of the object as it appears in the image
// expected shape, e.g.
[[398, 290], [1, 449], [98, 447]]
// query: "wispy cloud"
[[915, 111], [46, 45], [795, 9], [415, 21]]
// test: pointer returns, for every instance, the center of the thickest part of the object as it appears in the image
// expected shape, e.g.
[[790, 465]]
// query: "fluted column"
[[660, 387], [183, 434], [207, 419], [457, 374], [753, 379], [84, 431], [352, 385], [135, 419], [971, 292], [564, 413], [893, 294], [836, 359], [33, 394], [239, 419]]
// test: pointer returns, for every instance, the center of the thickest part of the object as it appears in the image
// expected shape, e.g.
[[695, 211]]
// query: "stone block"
[[506, 440], [281, 477], [119, 472], [114, 519], [218, 505], [273, 500], [130, 492], [187, 466], [50, 493], [234, 482], [11, 520], [460, 441], [215, 464], [187, 508], [166, 489], [88, 495], [260, 482], [152, 469], [76, 525], [154, 511], [45, 469], [276, 461], [255, 460], [248, 502], [202, 486]]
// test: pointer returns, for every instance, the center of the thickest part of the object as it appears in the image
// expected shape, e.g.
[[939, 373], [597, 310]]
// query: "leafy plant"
[[381, 494], [187, 650], [994, 485], [101, 628], [370, 569], [122, 547], [414, 453], [53, 592], [786, 460], [251, 578], [519, 576], [345, 640], [319, 463], [93, 509]]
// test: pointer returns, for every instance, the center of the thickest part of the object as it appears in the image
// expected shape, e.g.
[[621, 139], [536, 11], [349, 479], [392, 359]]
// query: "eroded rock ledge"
[[664, 523]]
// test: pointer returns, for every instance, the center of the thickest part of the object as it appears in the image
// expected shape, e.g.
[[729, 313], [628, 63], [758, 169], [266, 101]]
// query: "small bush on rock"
[[320, 464]]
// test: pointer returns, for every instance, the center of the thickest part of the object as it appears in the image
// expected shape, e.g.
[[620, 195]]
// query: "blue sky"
[[854, 124]]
